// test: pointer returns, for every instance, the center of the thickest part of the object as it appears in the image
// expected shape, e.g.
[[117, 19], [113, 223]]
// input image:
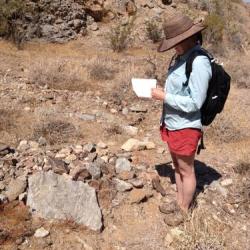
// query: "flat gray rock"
[[51, 196], [122, 164]]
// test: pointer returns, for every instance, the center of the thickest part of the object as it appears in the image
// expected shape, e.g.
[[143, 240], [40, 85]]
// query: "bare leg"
[[178, 181], [188, 179]]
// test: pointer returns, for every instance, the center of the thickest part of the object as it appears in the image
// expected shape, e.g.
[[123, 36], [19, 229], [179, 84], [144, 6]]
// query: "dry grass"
[[239, 71], [56, 132], [7, 119], [57, 74], [201, 232], [113, 129], [101, 69], [223, 129]]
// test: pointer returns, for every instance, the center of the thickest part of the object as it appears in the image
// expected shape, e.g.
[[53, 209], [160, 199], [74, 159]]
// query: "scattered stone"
[[228, 208], [86, 117], [80, 172], [161, 150], [215, 185], [93, 26], [42, 141], [134, 144], [58, 166], [16, 187], [226, 182], [130, 130], [138, 109], [174, 219], [122, 186], [113, 111], [19, 241], [70, 158], [90, 147], [149, 145], [77, 149], [23, 145], [95, 184], [139, 195], [63, 153], [122, 164], [126, 175], [141, 167], [105, 158], [101, 145], [126, 155], [125, 111], [67, 199], [27, 109], [3, 199], [95, 170], [34, 145], [137, 183], [41, 233], [158, 187]]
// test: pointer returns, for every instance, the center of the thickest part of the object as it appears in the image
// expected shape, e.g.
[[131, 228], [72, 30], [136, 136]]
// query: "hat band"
[[171, 33]]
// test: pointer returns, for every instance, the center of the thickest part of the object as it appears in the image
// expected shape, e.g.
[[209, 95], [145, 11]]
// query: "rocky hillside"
[[82, 165]]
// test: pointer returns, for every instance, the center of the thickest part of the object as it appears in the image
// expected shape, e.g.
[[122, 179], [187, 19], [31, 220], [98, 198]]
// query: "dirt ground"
[[28, 106]]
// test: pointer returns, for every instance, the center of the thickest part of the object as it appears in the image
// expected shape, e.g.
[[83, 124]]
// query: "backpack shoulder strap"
[[172, 61], [189, 62]]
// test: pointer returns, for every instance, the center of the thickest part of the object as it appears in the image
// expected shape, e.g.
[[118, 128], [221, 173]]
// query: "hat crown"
[[177, 26]]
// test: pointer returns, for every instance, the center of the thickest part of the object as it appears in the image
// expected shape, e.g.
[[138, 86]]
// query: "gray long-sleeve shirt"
[[181, 106]]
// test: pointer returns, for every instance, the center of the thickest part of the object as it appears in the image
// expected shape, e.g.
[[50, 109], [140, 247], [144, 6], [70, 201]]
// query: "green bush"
[[153, 31], [10, 12]]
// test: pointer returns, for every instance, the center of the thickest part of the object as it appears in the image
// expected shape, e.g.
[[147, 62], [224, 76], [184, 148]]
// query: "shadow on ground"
[[205, 174]]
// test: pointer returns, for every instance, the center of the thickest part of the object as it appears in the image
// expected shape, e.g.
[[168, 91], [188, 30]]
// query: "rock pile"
[[56, 21], [74, 182]]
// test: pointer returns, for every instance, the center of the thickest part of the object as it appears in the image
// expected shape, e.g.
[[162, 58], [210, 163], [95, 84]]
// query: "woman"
[[181, 119]]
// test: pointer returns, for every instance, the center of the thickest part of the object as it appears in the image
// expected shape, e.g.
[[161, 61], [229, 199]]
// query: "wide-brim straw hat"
[[177, 29]]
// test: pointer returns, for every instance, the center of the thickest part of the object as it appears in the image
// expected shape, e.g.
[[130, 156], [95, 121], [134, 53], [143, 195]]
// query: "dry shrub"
[[215, 28], [57, 74], [223, 130], [101, 70], [200, 233], [56, 132], [119, 36], [12, 12], [153, 31], [240, 73], [7, 119], [242, 168], [113, 129]]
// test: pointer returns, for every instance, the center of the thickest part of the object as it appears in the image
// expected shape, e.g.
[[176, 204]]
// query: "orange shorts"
[[183, 141]]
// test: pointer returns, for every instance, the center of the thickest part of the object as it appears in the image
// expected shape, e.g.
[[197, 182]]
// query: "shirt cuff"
[[169, 99]]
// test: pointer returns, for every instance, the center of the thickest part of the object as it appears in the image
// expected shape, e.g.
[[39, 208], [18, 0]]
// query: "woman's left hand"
[[158, 94]]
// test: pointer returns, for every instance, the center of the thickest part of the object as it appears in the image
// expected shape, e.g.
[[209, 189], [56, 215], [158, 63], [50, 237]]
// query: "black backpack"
[[218, 87]]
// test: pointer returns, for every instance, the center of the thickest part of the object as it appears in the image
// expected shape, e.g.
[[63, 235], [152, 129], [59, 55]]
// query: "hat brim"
[[168, 44]]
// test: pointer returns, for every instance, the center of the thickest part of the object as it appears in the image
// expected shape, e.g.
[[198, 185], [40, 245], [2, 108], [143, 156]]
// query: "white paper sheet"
[[142, 87]]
